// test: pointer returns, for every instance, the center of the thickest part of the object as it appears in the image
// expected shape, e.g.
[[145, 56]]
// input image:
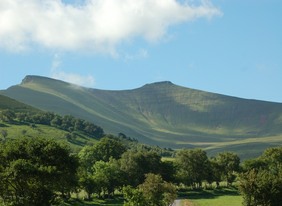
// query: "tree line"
[[67, 122], [37, 171]]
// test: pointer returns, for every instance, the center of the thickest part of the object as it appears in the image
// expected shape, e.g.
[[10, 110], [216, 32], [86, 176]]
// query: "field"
[[76, 141], [222, 197]]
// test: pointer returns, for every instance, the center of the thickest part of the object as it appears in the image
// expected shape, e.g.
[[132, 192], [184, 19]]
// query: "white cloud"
[[140, 54], [87, 81], [57, 73], [95, 25], [56, 62]]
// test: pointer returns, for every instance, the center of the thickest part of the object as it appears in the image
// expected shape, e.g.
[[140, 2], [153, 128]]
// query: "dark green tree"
[[133, 197], [157, 192], [33, 171], [4, 134], [261, 182], [192, 166], [215, 172], [261, 187], [108, 177], [229, 165], [7, 115], [106, 148], [137, 164], [153, 192]]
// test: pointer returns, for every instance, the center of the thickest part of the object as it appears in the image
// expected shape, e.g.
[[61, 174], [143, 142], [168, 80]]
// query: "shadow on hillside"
[[76, 142], [95, 202], [3, 125]]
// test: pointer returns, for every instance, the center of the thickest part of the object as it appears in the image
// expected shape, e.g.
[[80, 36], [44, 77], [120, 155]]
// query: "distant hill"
[[162, 114], [17, 129]]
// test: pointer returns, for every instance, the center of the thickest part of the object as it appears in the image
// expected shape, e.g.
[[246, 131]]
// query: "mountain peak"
[[32, 78], [162, 83]]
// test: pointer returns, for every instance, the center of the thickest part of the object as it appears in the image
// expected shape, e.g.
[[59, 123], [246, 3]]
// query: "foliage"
[[153, 192], [228, 163], [192, 166], [107, 176], [99, 170], [137, 164], [34, 170], [7, 115], [108, 147], [261, 183], [67, 122]]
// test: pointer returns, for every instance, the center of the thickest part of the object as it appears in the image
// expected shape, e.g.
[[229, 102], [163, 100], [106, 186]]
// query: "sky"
[[231, 47]]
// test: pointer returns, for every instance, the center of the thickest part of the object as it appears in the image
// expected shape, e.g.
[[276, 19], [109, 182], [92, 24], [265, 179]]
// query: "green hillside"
[[8, 103], [16, 129], [162, 114]]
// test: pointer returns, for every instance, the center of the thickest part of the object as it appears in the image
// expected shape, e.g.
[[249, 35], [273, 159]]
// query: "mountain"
[[162, 114]]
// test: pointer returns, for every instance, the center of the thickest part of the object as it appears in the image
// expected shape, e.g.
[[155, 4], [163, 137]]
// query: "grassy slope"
[[8, 103], [163, 114], [17, 130]]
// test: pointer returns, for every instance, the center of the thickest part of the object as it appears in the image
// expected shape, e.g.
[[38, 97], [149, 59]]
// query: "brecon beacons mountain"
[[162, 114]]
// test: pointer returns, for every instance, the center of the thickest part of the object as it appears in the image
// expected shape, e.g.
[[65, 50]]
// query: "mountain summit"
[[160, 113]]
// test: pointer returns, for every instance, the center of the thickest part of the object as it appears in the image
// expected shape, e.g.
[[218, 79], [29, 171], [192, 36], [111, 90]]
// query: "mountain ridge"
[[30, 78], [160, 113]]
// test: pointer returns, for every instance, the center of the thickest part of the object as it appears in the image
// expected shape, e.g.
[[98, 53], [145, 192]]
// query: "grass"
[[217, 197], [19, 130]]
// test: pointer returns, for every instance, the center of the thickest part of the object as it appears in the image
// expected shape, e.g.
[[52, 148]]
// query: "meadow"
[[216, 197]]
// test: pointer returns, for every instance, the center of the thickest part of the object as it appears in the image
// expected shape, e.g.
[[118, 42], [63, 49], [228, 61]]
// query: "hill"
[[14, 128], [8, 103], [162, 114]]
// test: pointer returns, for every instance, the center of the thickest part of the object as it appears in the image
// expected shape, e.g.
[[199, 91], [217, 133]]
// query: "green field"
[[14, 131], [222, 197]]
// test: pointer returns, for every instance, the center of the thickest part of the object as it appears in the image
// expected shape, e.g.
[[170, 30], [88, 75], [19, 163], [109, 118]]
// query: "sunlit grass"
[[15, 131], [223, 197]]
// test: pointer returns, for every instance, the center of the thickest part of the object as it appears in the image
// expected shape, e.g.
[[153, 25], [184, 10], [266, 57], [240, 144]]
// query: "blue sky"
[[231, 47]]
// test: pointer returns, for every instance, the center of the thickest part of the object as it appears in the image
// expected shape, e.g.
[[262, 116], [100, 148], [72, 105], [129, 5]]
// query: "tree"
[[192, 166], [93, 130], [156, 191], [107, 176], [34, 170], [215, 172], [261, 187], [153, 192], [229, 164], [137, 164], [4, 134], [133, 197], [103, 150], [87, 183], [261, 182], [7, 115]]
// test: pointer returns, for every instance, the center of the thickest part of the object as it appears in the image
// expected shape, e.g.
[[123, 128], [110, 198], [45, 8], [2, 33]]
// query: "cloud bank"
[[98, 25]]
